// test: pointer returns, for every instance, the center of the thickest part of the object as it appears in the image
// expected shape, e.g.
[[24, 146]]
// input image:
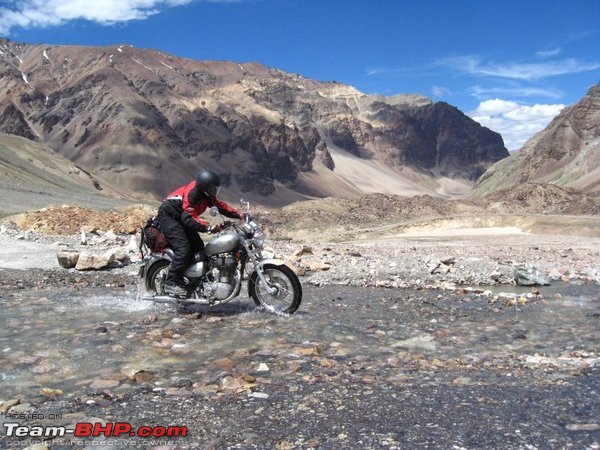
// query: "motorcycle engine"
[[220, 280]]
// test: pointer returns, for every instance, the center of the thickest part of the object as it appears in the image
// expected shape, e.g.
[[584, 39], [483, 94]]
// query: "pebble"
[[583, 426]]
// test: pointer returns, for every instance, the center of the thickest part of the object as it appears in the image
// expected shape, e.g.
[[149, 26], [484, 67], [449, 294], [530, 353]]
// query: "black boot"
[[174, 289]]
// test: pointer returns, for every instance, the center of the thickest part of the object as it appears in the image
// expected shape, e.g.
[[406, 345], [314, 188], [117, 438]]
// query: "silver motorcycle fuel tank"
[[222, 244]]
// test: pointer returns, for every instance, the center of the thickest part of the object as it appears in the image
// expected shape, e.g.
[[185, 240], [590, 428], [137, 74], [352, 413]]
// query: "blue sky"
[[511, 65]]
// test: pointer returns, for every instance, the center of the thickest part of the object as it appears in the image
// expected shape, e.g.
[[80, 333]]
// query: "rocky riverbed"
[[403, 342]]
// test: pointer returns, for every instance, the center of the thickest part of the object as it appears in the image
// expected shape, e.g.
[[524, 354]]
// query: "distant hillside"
[[566, 153], [147, 121], [33, 176]]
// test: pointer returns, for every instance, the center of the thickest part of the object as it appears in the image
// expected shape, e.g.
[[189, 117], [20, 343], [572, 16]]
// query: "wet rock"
[[421, 342], [529, 276], [260, 395], [583, 426], [8, 404], [48, 392], [104, 384], [22, 408], [237, 384], [225, 364], [142, 377], [262, 367]]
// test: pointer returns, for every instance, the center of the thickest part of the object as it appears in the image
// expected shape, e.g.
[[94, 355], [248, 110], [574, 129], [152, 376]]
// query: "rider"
[[180, 221]]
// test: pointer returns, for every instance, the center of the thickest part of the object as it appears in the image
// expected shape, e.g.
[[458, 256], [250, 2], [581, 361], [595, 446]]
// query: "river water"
[[67, 339]]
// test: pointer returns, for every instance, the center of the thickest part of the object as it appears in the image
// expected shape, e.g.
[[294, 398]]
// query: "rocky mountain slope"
[[33, 176], [147, 121], [566, 153]]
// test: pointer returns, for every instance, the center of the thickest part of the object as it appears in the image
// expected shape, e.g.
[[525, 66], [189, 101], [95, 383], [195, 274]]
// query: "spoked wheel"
[[288, 291], [157, 274]]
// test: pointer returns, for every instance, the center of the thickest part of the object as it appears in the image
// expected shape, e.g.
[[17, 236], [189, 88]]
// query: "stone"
[[8, 404], [583, 426], [110, 235], [123, 257], [237, 384], [495, 275], [36, 447], [304, 250], [225, 364], [448, 260], [529, 276], [104, 384], [142, 377], [420, 342], [133, 246], [22, 408], [262, 367], [318, 266], [51, 392], [88, 261], [297, 270], [260, 395], [67, 260]]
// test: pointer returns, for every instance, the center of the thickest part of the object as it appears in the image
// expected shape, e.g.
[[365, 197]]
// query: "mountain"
[[147, 121], [566, 153], [33, 176]]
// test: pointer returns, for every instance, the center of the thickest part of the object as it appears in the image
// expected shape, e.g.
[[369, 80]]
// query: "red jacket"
[[187, 208]]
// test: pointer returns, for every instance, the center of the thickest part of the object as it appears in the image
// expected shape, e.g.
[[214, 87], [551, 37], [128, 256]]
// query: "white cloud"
[[515, 122], [45, 13], [472, 65], [440, 91], [484, 93], [548, 53]]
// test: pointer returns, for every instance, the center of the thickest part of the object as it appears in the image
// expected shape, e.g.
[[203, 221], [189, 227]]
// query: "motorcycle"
[[215, 275]]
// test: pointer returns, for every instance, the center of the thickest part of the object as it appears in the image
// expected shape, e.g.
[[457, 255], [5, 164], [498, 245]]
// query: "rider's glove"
[[215, 228]]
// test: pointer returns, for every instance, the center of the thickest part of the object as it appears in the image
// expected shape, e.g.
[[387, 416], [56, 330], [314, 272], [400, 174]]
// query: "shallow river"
[[66, 339]]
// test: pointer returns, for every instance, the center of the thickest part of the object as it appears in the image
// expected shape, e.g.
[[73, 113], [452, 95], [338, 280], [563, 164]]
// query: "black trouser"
[[184, 243]]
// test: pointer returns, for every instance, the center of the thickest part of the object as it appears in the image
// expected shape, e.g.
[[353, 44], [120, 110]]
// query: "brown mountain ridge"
[[147, 121], [566, 153]]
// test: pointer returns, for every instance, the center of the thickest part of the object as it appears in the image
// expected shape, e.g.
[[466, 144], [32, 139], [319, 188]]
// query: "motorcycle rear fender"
[[260, 266], [153, 258]]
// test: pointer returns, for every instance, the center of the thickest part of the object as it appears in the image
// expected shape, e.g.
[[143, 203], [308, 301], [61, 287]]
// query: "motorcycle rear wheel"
[[157, 274], [288, 296]]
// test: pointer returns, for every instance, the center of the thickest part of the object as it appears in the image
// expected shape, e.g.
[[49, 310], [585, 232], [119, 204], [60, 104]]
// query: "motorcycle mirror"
[[213, 211], [245, 203]]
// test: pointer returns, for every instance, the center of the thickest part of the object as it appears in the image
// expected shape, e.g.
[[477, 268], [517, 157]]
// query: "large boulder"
[[67, 260], [88, 261]]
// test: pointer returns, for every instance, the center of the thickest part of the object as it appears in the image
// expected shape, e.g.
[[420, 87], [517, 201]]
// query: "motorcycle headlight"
[[248, 230], [259, 237]]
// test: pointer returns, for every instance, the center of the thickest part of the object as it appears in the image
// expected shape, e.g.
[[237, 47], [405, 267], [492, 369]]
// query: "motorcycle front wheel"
[[288, 290], [155, 279]]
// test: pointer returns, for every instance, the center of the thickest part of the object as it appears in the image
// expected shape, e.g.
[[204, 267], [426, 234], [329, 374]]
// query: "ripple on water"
[[66, 339]]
